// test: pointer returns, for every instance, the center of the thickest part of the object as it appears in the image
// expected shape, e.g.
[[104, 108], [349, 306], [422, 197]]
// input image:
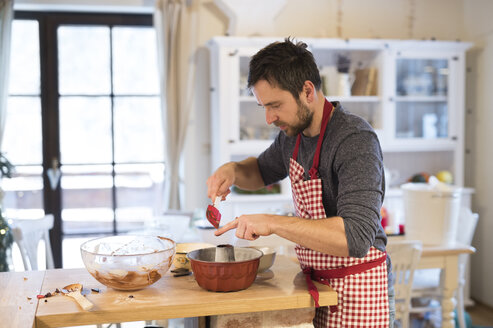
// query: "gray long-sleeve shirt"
[[351, 169]]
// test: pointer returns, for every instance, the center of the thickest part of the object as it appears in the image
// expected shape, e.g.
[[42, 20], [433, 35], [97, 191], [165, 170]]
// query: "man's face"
[[281, 109]]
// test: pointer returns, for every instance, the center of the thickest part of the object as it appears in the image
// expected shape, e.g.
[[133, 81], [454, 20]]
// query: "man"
[[334, 162]]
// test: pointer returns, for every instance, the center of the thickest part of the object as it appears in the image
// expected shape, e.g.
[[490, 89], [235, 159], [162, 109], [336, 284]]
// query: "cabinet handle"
[[231, 141], [454, 138]]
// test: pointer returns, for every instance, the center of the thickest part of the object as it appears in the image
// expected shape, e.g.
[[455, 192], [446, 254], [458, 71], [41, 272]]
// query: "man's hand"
[[248, 227], [244, 174], [219, 182]]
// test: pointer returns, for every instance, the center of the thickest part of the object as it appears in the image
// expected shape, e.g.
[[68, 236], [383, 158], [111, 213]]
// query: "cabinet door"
[[352, 75], [422, 100], [237, 124], [251, 132]]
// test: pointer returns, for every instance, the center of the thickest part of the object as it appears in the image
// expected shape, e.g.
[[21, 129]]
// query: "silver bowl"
[[267, 260]]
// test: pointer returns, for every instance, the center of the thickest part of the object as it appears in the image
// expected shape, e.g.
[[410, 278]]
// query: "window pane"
[[22, 139], [85, 130], [84, 60], [139, 192], [138, 130], [24, 60], [87, 198], [23, 197], [135, 68]]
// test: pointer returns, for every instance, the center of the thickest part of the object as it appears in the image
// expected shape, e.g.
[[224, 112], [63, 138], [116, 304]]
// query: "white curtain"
[[176, 23], [6, 17]]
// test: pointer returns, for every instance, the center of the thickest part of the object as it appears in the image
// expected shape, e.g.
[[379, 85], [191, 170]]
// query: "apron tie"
[[317, 275]]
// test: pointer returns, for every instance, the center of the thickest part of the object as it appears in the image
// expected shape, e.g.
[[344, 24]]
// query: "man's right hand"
[[220, 181]]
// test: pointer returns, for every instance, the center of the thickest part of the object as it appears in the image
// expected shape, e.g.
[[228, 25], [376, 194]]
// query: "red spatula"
[[213, 214]]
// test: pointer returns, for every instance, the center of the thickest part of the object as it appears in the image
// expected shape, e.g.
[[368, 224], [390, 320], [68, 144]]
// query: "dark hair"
[[285, 65]]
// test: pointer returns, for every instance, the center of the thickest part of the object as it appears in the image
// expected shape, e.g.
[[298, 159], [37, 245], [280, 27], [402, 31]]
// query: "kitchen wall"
[[479, 138], [467, 20]]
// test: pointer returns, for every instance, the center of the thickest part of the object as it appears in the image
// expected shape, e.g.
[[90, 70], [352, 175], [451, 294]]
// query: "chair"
[[427, 287], [404, 255], [27, 234]]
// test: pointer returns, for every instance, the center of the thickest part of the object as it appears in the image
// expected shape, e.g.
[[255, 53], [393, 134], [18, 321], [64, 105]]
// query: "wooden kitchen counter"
[[18, 300], [282, 287]]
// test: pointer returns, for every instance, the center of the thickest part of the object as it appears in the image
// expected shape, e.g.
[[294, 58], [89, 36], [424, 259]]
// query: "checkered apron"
[[361, 283]]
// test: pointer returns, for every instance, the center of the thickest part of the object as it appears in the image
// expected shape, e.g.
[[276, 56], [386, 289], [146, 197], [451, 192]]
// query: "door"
[[97, 159]]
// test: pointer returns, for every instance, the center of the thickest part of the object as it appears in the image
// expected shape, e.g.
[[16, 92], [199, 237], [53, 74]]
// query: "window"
[[84, 126]]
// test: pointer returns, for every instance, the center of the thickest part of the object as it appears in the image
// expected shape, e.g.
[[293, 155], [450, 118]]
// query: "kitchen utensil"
[[225, 276], [73, 290], [128, 262], [213, 214], [180, 272]]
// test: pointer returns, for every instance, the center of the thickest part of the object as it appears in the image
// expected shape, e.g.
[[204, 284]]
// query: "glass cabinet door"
[[252, 123], [422, 109]]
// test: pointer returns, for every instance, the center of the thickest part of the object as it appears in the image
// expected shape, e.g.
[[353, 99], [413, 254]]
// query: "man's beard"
[[305, 117]]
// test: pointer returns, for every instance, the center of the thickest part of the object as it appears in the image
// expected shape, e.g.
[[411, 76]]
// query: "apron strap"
[[317, 275], [296, 147], [328, 107]]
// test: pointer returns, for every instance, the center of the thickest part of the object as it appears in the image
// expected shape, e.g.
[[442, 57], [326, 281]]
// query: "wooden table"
[[282, 287], [18, 300], [447, 259]]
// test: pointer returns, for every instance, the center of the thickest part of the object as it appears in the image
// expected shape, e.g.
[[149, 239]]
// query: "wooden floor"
[[481, 315]]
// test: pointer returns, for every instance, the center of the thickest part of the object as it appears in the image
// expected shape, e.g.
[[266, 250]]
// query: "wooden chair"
[[404, 255], [28, 233], [427, 288]]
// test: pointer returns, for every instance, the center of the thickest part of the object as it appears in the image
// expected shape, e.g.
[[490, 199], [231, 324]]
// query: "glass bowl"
[[128, 262]]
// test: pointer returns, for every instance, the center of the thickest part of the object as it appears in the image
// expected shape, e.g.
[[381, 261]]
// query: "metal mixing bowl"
[[225, 276], [267, 260]]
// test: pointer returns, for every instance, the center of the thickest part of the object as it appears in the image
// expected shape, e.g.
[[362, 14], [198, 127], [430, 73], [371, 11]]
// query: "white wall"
[[479, 137]]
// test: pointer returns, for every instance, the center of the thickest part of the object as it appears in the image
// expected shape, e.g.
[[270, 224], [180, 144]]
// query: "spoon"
[[73, 291]]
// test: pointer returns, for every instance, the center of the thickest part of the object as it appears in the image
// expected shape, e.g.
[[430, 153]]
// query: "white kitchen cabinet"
[[414, 100]]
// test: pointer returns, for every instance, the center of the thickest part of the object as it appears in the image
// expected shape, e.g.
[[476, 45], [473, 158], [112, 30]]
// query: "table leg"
[[450, 285]]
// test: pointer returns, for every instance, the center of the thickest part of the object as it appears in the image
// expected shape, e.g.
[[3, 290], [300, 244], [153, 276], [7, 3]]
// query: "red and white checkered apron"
[[361, 283]]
